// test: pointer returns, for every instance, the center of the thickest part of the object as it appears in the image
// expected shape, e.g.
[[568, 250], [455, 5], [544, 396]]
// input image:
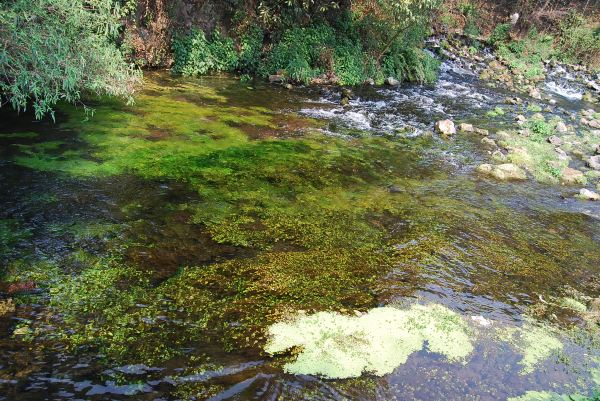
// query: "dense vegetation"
[[63, 50], [304, 40], [57, 50]]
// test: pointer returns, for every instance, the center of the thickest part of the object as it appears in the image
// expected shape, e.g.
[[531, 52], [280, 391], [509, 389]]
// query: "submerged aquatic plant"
[[535, 343], [337, 346]]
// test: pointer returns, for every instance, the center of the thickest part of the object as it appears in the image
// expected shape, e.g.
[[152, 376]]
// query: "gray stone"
[[594, 162], [535, 93], [391, 81], [586, 194], [561, 128], [276, 79], [554, 140]]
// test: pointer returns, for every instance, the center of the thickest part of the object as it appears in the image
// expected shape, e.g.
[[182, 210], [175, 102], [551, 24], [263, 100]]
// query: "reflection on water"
[[149, 249]]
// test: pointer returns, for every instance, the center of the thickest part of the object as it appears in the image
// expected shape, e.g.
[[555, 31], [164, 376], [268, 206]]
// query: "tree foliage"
[[59, 50]]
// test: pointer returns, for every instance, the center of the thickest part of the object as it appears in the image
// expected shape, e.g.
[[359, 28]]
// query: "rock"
[[524, 132], [345, 101], [498, 156], [586, 194], [514, 18], [276, 79], [466, 127], [22, 331], [482, 132], [485, 168], [496, 65], [594, 124], [598, 149], [394, 189], [391, 81], [561, 128], [570, 176], [513, 100], [503, 172], [288, 86], [594, 162], [487, 142], [370, 81], [537, 116], [502, 135], [562, 155], [535, 93], [521, 119], [554, 140], [588, 97], [445, 127]]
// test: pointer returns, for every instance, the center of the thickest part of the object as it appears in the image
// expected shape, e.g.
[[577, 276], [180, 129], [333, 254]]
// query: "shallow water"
[[149, 247]]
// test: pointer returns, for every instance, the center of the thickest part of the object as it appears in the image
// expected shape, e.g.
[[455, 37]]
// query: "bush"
[[60, 50], [500, 34], [578, 42], [302, 53], [251, 43], [471, 15], [196, 55], [526, 56]]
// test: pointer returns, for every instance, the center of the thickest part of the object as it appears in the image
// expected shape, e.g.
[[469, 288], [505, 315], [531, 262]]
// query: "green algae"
[[535, 343], [11, 234], [549, 396], [571, 303], [321, 227], [86, 230], [337, 346], [19, 135], [538, 157]]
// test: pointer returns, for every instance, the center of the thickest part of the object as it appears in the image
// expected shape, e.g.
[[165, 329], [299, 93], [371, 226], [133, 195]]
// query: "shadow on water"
[[148, 248]]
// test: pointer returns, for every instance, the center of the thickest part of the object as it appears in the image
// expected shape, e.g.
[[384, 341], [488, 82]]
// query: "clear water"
[[322, 192]]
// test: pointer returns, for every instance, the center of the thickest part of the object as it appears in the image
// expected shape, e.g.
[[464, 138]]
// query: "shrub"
[[196, 55], [471, 14], [500, 34], [300, 52], [526, 56], [60, 50], [251, 43], [578, 42]]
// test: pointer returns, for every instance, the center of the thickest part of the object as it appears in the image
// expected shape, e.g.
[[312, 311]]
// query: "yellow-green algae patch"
[[535, 343], [337, 346], [546, 396]]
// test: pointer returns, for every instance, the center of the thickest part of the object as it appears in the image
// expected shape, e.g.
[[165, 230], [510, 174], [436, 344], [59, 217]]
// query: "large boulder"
[[391, 81], [445, 127]]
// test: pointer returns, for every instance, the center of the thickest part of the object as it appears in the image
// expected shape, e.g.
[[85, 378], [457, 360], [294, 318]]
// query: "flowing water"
[[147, 248]]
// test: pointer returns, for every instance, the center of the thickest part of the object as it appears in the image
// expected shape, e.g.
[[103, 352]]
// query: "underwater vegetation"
[[223, 231]]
